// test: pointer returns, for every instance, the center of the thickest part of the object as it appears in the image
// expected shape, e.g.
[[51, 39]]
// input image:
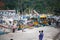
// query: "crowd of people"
[[45, 22], [34, 22]]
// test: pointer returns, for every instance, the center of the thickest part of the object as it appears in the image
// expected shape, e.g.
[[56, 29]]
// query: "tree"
[[41, 6]]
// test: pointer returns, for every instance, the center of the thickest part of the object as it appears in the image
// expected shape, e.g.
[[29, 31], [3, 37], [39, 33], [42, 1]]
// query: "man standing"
[[14, 27], [41, 35]]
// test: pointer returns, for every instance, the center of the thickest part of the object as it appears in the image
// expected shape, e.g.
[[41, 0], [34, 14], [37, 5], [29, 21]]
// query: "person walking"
[[14, 27], [41, 35], [22, 27], [49, 22]]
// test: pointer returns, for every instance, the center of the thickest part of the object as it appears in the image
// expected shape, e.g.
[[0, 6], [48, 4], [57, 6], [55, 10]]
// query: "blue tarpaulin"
[[1, 32]]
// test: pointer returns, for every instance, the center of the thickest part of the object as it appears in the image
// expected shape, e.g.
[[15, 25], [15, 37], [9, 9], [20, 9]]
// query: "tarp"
[[43, 16], [1, 33]]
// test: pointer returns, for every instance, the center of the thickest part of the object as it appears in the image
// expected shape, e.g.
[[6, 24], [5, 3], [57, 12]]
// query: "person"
[[53, 23], [41, 35], [36, 23], [22, 26], [11, 39], [45, 22], [57, 23], [19, 28], [14, 28], [49, 21]]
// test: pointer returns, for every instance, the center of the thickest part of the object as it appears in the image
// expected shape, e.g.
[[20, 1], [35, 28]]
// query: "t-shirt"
[[14, 26], [41, 35], [35, 23]]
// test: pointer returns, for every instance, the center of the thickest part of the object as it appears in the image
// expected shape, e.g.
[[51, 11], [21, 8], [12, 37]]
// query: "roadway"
[[31, 34]]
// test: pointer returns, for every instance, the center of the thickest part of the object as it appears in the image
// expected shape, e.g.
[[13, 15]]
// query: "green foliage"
[[42, 6]]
